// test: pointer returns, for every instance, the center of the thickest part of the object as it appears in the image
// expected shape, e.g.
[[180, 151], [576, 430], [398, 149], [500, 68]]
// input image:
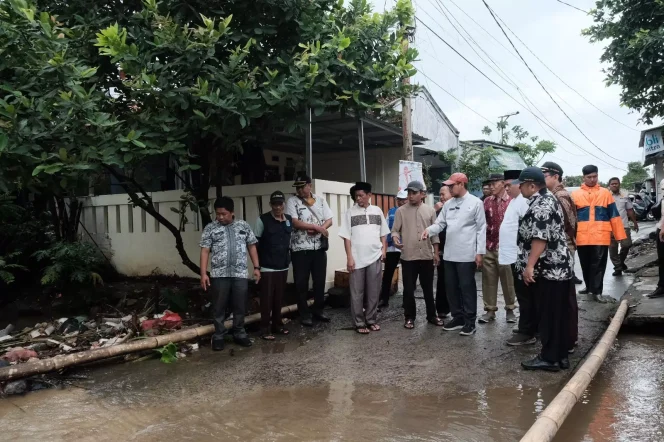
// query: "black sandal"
[[437, 322], [362, 330], [409, 324]]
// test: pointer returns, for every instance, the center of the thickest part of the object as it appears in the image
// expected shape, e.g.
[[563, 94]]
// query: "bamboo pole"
[[549, 422], [62, 361]]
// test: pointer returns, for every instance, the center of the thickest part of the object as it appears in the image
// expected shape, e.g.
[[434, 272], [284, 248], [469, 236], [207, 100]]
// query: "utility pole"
[[406, 105], [502, 126]]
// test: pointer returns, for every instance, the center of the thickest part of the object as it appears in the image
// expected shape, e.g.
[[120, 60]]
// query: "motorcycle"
[[642, 204]]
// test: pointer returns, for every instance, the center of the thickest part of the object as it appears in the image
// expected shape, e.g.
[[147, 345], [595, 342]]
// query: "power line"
[[544, 88], [542, 62], [561, 80], [452, 95], [572, 6], [507, 93]]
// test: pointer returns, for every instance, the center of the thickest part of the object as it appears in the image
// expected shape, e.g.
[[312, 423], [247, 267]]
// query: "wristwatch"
[[257, 268]]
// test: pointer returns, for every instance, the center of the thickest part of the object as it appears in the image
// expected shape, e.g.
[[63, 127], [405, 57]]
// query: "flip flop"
[[362, 330], [374, 327]]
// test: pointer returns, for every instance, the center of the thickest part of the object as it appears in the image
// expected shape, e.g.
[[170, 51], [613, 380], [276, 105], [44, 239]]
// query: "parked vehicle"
[[642, 203]]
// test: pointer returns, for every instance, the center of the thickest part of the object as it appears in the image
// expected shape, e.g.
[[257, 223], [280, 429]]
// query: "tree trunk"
[[145, 202]]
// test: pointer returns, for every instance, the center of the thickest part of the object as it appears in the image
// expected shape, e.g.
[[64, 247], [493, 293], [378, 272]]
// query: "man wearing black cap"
[[495, 206], [311, 219], [597, 216], [273, 230], [553, 174], [544, 265]]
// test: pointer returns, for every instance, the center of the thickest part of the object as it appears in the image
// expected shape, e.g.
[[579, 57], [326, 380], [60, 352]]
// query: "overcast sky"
[[552, 31]]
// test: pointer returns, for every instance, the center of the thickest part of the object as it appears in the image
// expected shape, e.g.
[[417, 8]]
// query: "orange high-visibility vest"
[[597, 216]]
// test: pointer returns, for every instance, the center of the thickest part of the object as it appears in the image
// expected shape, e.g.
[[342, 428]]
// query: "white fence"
[[139, 246]]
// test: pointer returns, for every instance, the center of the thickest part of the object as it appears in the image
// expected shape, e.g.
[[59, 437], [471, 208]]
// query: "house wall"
[[382, 168], [138, 246]]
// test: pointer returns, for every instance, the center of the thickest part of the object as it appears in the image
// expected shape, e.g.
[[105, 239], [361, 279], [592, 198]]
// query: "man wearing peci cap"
[[273, 230], [463, 217], [544, 264], [363, 229], [393, 252], [553, 174], [507, 255], [597, 216], [311, 219], [495, 206], [417, 257]]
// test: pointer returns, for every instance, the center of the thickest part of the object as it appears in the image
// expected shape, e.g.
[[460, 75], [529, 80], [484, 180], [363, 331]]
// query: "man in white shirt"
[[509, 250], [464, 218], [311, 219], [364, 231]]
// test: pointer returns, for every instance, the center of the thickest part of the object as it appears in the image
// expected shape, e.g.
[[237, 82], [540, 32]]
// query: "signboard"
[[409, 171], [652, 142]]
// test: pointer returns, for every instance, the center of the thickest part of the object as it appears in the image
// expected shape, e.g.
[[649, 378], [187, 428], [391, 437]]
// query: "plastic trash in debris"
[[69, 325], [35, 334], [166, 321], [19, 354], [6, 338], [49, 330], [7, 330]]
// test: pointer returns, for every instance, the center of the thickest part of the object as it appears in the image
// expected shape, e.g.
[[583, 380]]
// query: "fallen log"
[[62, 361]]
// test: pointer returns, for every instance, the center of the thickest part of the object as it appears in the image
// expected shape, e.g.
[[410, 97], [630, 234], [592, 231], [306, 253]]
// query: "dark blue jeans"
[[223, 291]]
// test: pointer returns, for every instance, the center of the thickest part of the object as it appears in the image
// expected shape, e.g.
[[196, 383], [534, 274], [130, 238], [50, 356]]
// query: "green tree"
[[530, 148], [636, 174], [632, 32], [95, 88], [573, 180], [473, 161]]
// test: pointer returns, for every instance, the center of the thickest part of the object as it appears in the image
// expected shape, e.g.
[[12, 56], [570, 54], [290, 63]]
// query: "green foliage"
[[168, 353], [573, 180], [531, 148], [474, 161], [77, 263], [8, 269], [636, 174], [632, 33]]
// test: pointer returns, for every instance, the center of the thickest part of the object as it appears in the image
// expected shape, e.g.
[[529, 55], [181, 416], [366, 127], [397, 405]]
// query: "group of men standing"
[[523, 235]]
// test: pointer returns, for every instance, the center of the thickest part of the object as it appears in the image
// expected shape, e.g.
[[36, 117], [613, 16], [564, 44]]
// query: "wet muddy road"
[[330, 383]]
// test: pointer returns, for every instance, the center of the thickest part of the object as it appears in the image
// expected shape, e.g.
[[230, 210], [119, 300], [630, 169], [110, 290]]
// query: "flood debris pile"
[[81, 333]]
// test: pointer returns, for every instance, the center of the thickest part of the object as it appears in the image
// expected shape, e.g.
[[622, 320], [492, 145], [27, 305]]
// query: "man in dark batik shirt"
[[544, 264]]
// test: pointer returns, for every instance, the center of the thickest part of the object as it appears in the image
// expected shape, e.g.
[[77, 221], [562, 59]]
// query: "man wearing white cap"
[[393, 252]]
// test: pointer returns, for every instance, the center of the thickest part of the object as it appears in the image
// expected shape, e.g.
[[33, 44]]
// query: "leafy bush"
[[7, 268], [75, 263]]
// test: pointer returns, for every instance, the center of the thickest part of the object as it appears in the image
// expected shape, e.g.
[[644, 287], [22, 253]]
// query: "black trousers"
[[461, 290], [554, 307], [527, 298], [593, 264], [272, 287], [442, 304], [660, 260], [391, 263], [223, 291], [309, 263], [411, 271]]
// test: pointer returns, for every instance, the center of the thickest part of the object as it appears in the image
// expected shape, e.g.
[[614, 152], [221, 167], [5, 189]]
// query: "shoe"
[[217, 344], [538, 363], [515, 330], [443, 315], [585, 291], [521, 339], [467, 330], [510, 317], [244, 342], [577, 281], [487, 317], [564, 364], [453, 324], [624, 268], [307, 322], [322, 317], [658, 293], [617, 273]]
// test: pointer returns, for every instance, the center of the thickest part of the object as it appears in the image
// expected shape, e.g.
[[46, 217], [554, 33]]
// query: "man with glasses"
[[544, 264], [495, 206], [463, 217], [553, 174], [418, 258], [311, 219]]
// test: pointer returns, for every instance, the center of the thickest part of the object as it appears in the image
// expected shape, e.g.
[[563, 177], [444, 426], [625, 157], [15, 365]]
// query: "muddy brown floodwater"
[[624, 402]]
